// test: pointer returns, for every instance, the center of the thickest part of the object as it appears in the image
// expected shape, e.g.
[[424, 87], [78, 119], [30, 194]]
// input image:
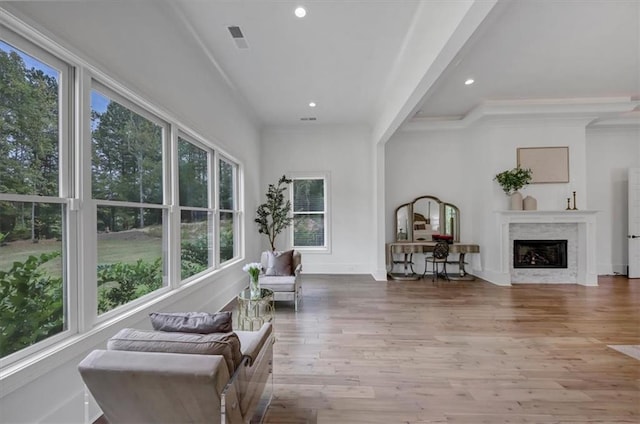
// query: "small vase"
[[530, 203], [516, 201], [254, 286]]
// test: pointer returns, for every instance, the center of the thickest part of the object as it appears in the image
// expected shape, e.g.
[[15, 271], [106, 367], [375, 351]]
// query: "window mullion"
[[214, 191], [86, 242], [172, 190]]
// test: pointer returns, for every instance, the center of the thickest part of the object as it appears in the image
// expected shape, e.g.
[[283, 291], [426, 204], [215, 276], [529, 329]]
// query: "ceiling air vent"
[[238, 37]]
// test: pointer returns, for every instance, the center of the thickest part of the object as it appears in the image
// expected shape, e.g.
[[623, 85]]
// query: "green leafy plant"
[[273, 215], [120, 283], [30, 304], [194, 256], [514, 179]]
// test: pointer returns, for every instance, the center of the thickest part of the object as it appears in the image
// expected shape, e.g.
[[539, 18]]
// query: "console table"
[[408, 248]]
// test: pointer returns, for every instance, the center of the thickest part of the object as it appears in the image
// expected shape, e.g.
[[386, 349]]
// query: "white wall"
[[345, 152], [428, 163], [458, 165], [610, 152], [163, 66]]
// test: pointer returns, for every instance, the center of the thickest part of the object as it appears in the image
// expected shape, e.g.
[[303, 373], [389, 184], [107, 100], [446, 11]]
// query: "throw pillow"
[[192, 322], [225, 344], [280, 263]]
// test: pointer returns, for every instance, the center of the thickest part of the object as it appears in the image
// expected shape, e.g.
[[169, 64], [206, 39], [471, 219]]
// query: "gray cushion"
[[192, 322], [225, 344], [279, 263]]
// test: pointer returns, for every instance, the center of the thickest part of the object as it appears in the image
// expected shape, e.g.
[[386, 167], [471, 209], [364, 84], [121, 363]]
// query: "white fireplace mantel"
[[586, 242]]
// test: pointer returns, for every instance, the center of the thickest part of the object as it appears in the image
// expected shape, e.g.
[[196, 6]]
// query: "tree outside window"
[[309, 212], [127, 169], [32, 281]]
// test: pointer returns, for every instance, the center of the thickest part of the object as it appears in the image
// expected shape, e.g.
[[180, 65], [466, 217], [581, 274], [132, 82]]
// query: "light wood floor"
[[361, 351]]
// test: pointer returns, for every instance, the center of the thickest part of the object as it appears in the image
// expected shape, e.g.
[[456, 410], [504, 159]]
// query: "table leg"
[[462, 274], [408, 264], [407, 272]]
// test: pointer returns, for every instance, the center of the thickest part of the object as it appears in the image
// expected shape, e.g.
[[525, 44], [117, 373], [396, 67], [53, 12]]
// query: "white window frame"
[[235, 211], [210, 209], [325, 176], [66, 192], [75, 194], [114, 95]]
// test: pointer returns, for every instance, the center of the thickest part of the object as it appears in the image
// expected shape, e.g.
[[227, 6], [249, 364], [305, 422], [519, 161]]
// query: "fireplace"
[[540, 253], [577, 227]]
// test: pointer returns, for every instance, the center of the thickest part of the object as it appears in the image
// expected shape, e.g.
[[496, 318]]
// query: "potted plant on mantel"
[[273, 215], [513, 180]]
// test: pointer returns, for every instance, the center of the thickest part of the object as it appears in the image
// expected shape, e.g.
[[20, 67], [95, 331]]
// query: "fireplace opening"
[[540, 253]]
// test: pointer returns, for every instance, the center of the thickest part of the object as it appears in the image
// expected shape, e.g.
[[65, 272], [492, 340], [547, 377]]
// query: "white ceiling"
[[545, 50], [338, 56], [345, 54]]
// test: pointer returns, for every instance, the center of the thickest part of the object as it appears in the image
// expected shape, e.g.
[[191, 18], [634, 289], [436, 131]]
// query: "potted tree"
[[273, 215], [513, 180]]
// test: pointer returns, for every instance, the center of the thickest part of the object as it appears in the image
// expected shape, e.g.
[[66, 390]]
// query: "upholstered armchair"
[[280, 277], [160, 377]]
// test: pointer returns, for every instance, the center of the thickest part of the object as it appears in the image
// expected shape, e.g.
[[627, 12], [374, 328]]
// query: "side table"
[[253, 312]]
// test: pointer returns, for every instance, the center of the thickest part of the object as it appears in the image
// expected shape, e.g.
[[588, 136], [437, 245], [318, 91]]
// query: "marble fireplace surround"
[[578, 227]]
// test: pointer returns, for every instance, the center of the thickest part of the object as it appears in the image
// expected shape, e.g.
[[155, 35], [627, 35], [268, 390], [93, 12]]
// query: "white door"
[[633, 236]]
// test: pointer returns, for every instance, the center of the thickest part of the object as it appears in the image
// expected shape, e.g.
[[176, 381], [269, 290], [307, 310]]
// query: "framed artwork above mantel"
[[548, 164]]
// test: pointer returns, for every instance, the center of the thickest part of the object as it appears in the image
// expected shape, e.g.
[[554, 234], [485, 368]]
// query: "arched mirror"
[[426, 216], [451, 221], [402, 222]]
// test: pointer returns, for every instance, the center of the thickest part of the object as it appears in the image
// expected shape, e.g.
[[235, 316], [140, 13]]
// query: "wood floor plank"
[[361, 351]]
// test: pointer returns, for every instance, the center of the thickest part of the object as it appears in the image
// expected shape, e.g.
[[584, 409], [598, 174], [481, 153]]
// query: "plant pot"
[[516, 201]]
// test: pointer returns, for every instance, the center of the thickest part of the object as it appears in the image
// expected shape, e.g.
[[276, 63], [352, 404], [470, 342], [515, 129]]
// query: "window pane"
[[226, 186], [308, 195], [196, 242], [226, 236], [193, 175], [32, 295], [28, 124], [127, 153], [129, 254], [308, 230]]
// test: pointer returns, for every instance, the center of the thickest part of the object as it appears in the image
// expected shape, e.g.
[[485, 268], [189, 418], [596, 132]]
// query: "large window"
[[196, 213], [34, 194], [310, 224], [127, 185], [95, 225]]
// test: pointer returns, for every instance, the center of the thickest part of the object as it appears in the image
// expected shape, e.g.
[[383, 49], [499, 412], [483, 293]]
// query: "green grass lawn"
[[109, 251], [129, 251], [19, 251]]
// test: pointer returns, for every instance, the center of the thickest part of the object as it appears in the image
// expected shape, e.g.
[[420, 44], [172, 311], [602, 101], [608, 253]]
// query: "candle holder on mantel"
[[569, 208]]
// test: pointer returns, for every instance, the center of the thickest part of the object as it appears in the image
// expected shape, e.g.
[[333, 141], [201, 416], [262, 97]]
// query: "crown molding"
[[600, 110]]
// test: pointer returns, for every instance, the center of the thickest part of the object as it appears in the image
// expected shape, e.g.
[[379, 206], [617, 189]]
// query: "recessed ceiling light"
[[469, 81], [300, 12], [312, 104]]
